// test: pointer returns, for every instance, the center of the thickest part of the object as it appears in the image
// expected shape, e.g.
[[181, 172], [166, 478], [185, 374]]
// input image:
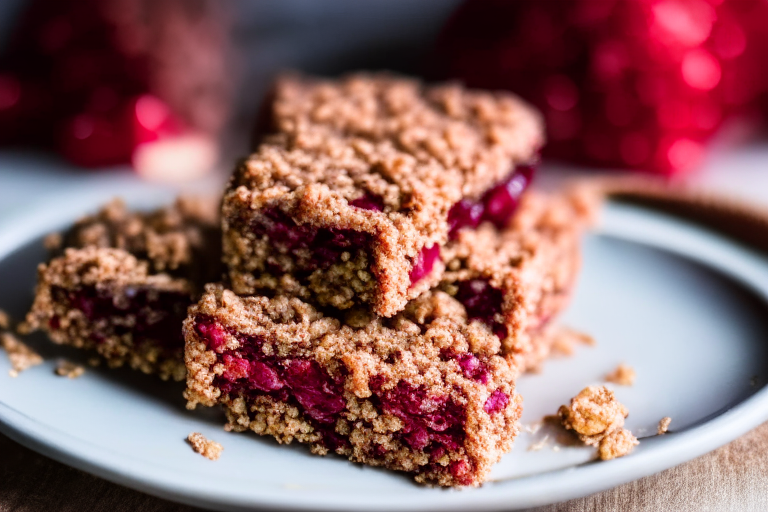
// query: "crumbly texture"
[[534, 262], [20, 354], [566, 339], [417, 150], [120, 281], [663, 425], [598, 419], [616, 444], [211, 450], [385, 385], [478, 133], [106, 300], [623, 375], [182, 239], [69, 369]]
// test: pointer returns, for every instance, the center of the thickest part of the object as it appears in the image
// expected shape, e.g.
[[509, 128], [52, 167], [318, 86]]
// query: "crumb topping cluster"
[[211, 450], [598, 419]]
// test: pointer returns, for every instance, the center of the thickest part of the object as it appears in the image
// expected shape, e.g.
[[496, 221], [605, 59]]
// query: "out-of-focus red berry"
[[640, 84]]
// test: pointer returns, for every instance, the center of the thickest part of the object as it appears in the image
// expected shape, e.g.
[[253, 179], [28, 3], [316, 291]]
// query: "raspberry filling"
[[249, 371], [368, 202], [432, 424], [424, 263], [496, 402], [497, 205], [146, 313], [482, 302], [310, 247]]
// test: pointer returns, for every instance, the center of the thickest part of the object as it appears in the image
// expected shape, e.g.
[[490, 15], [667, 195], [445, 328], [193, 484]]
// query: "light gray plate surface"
[[685, 308]]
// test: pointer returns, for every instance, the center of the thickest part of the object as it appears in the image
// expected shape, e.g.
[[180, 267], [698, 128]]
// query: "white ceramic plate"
[[685, 308]]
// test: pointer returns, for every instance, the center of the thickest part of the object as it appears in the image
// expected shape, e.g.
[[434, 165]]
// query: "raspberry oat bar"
[[126, 291], [367, 178], [519, 278], [423, 392]]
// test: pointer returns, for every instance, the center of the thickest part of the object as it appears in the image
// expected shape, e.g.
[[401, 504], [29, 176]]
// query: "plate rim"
[[632, 223]]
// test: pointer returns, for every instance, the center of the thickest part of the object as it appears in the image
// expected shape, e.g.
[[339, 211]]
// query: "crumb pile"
[[598, 419], [69, 369], [623, 375], [211, 450], [21, 355]]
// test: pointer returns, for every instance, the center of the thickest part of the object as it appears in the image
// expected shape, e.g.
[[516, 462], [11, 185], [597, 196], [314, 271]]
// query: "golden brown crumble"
[[616, 444], [479, 133], [663, 425], [623, 375], [5, 320], [69, 369], [21, 355], [598, 419], [209, 449], [565, 339], [181, 238]]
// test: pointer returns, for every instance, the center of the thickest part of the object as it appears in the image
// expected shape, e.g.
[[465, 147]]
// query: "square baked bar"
[[423, 392], [120, 283], [365, 179], [518, 279]]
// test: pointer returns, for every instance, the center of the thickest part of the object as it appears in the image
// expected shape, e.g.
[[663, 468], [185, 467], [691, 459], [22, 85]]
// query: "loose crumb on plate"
[[539, 444], [598, 419], [623, 375], [663, 425], [69, 369], [616, 444], [565, 339], [205, 447], [94, 362], [20, 354]]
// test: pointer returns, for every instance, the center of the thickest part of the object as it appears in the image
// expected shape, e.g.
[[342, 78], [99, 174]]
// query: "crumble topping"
[[5, 320], [209, 449], [479, 133], [69, 369], [20, 354], [663, 425], [181, 238], [598, 419], [623, 375]]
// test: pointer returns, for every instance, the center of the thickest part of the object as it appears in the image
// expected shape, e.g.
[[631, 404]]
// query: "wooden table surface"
[[734, 478]]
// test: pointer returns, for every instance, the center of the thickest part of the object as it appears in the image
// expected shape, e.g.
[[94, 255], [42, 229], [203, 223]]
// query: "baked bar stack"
[[120, 282], [386, 277], [350, 203], [383, 295]]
